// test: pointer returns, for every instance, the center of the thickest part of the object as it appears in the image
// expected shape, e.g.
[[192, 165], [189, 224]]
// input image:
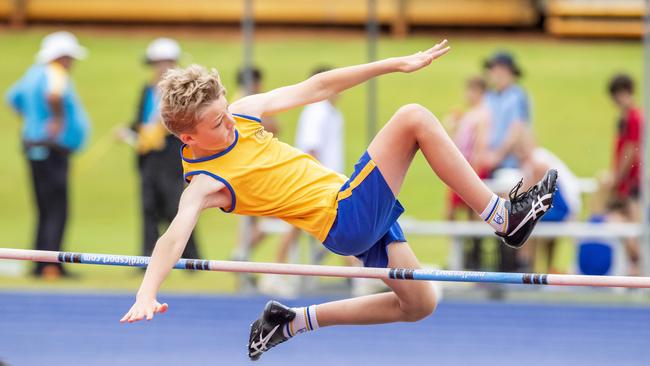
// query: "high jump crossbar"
[[332, 271]]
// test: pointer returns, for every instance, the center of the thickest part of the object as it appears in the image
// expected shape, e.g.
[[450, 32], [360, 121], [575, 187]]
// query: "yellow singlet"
[[267, 177]]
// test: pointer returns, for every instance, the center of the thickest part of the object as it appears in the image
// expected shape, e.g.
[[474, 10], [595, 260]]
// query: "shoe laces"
[[519, 198]]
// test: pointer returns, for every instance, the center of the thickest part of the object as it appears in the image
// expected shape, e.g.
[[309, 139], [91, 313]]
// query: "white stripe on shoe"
[[260, 347], [538, 207]]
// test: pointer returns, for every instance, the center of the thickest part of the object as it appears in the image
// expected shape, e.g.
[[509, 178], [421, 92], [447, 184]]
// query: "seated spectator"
[[535, 161], [509, 106]]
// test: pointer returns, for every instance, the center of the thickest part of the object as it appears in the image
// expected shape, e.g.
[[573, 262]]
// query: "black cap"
[[503, 58]]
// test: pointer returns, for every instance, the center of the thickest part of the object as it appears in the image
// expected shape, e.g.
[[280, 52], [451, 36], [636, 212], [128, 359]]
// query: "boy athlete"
[[233, 164]]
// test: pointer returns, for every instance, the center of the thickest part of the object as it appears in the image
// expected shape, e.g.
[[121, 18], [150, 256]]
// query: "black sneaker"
[[525, 209], [266, 332]]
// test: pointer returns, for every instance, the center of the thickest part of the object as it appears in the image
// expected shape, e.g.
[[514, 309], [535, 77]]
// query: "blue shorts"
[[366, 218], [560, 211]]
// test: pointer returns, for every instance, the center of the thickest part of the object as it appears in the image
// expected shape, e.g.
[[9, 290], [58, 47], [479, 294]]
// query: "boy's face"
[[215, 130]]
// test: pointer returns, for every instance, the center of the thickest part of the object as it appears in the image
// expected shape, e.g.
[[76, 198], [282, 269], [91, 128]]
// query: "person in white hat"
[[160, 169], [55, 125]]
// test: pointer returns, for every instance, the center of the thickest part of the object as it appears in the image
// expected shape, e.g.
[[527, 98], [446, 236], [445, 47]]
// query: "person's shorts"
[[366, 219], [560, 211]]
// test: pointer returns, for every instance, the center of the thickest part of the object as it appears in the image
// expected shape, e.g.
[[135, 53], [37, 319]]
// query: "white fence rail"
[[458, 230]]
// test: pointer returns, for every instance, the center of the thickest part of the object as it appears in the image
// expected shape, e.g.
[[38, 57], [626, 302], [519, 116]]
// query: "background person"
[[470, 131], [535, 160], [161, 183], [251, 234], [54, 126], [626, 170], [509, 106], [320, 134]]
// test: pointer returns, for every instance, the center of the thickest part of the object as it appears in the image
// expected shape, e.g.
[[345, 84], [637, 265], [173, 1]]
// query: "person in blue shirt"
[[509, 109], [161, 173], [509, 105], [55, 125]]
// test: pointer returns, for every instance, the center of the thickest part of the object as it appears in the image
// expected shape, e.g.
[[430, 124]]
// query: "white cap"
[[59, 44], [163, 49]]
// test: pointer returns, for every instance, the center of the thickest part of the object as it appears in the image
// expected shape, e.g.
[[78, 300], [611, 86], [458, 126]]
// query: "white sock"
[[496, 214], [304, 321]]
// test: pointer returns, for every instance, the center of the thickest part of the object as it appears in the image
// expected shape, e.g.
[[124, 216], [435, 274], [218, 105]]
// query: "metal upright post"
[[246, 223], [18, 14], [645, 169], [372, 28], [248, 31]]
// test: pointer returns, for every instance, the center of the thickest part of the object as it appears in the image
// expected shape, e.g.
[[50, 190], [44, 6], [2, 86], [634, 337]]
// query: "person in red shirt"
[[627, 159]]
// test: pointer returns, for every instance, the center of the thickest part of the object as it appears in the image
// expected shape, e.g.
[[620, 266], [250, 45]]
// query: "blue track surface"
[[38, 329]]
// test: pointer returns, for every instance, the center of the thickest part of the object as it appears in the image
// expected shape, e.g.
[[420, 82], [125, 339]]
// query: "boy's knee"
[[413, 111], [420, 309], [417, 116]]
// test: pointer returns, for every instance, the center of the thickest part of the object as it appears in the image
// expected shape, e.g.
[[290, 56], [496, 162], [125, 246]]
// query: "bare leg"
[[288, 241], [633, 245], [411, 128], [257, 234], [409, 301]]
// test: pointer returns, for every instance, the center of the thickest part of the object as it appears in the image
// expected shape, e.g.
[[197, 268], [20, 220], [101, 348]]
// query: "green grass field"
[[566, 79]]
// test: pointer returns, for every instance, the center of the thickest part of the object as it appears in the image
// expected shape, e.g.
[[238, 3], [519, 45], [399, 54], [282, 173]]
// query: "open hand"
[[423, 58], [142, 309]]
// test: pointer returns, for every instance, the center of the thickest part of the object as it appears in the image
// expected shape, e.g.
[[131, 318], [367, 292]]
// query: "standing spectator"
[[161, 172], [319, 134], [470, 131], [256, 78], [627, 160], [55, 125]]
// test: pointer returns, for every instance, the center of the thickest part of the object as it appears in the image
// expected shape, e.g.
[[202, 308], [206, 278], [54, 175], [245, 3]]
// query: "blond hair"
[[183, 95]]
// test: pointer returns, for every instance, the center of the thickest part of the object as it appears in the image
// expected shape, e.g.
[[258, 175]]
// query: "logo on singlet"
[[260, 135]]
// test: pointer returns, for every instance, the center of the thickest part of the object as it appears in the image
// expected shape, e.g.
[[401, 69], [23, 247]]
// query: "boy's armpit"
[[208, 190]]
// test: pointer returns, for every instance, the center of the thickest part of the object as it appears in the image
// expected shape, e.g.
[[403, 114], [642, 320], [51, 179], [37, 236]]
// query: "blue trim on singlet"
[[206, 158], [248, 117], [225, 182]]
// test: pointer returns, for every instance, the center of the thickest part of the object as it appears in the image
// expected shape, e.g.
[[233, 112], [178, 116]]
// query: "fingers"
[[132, 316], [126, 317], [162, 308], [440, 52], [438, 47], [137, 313]]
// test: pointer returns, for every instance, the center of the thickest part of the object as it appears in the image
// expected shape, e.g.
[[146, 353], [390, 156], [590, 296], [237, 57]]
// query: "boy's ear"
[[185, 138]]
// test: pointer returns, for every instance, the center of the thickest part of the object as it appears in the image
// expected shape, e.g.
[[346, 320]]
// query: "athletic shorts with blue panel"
[[366, 219]]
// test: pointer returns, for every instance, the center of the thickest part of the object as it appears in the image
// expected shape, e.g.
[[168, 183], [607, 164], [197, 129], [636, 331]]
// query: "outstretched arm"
[[202, 193], [327, 84]]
